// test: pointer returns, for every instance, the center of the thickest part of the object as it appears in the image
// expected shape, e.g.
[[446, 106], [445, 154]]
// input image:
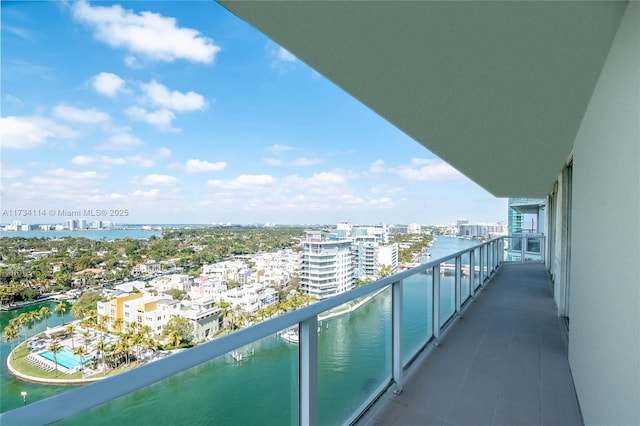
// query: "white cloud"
[[10, 172], [425, 169], [387, 189], [76, 115], [282, 59], [155, 179], [304, 161], [120, 141], [159, 95], [279, 148], [153, 193], [140, 160], [243, 182], [327, 178], [31, 132], [163, 152], [83, 160], [20, 32], [273, 161], [108, 84], [197, 166], [382, 202], [284, 55], [377, 167], [74, 175], [14, 100], [147, 35], [161, 118]]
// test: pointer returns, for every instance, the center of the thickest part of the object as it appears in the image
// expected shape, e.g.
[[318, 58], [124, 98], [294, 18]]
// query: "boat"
[[291, 336]]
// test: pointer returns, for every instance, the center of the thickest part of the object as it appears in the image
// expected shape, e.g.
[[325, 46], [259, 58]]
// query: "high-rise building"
[[327, 266]]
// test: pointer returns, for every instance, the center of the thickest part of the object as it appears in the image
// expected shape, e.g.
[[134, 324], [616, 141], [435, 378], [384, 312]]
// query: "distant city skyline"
[[182, 113]]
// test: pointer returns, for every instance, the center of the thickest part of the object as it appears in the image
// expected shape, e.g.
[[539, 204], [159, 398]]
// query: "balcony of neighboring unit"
[[419, 347]]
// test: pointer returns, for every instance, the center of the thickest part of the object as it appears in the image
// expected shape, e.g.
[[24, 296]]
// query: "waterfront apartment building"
[[327, 266], [481, 230], [113, 310]]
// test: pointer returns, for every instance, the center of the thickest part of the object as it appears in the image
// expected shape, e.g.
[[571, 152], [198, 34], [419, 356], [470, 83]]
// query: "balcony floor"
[[504, 363]]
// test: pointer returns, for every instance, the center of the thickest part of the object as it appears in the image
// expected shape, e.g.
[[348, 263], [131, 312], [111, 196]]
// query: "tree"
[[54, 348], [61, 308], [122, 347], [23, 320], [175, 293], [102, 348], [86, 303], [182, 326], [11, 332], [81, 351], [33, 317], [45, 313], [137, 340], [70, 330], [174, 338], [117, 324]]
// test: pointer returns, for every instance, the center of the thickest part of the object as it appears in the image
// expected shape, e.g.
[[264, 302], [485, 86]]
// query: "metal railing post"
[[523, 243], [308, 373], [472, 273], [435, 302], [396, 335], [481, 266], [458, 284]]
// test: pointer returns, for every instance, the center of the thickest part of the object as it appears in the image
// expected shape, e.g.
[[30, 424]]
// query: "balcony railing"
[[436, 292]]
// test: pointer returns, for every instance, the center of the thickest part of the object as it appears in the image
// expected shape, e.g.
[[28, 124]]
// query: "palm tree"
[[12, 332], [117, 324], [71, 328], [55, 347], [122, 347], [81, 351], [137, 339], [45, 313], [61, 308], [174, 339], [33, 317], [102, 348], [23, 320], [86, 336]]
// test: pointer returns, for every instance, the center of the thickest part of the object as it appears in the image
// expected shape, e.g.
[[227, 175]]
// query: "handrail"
[[79, 400]]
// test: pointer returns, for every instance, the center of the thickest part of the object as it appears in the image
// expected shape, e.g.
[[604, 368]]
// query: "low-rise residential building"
[[164, 283], [203, 314]]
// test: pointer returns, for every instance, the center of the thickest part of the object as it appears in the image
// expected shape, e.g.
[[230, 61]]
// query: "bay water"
[[354, 360]]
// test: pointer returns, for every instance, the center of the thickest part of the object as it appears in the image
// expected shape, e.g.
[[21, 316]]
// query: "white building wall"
[[604, 335]]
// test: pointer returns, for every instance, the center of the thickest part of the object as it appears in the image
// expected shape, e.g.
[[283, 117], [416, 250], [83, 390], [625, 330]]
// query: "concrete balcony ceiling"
[[496, 89]]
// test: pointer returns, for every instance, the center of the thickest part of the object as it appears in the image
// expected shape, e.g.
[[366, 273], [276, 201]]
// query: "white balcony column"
[[435, 302], [472, 273], [308, 372], [458, 284], [482, 265], [396, 335]]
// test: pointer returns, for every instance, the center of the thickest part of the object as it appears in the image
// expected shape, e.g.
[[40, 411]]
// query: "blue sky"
[[182, 113]]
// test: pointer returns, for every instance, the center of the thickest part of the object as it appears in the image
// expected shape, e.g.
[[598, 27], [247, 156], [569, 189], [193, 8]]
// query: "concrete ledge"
[[43, 380]]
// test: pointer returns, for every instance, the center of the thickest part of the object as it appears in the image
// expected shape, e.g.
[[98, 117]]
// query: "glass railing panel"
[[416, 313], [254, 383], [354, 356], [465, 278], [447, 290]]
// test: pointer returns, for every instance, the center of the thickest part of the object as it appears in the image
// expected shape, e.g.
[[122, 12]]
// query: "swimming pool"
[[65, 358]]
